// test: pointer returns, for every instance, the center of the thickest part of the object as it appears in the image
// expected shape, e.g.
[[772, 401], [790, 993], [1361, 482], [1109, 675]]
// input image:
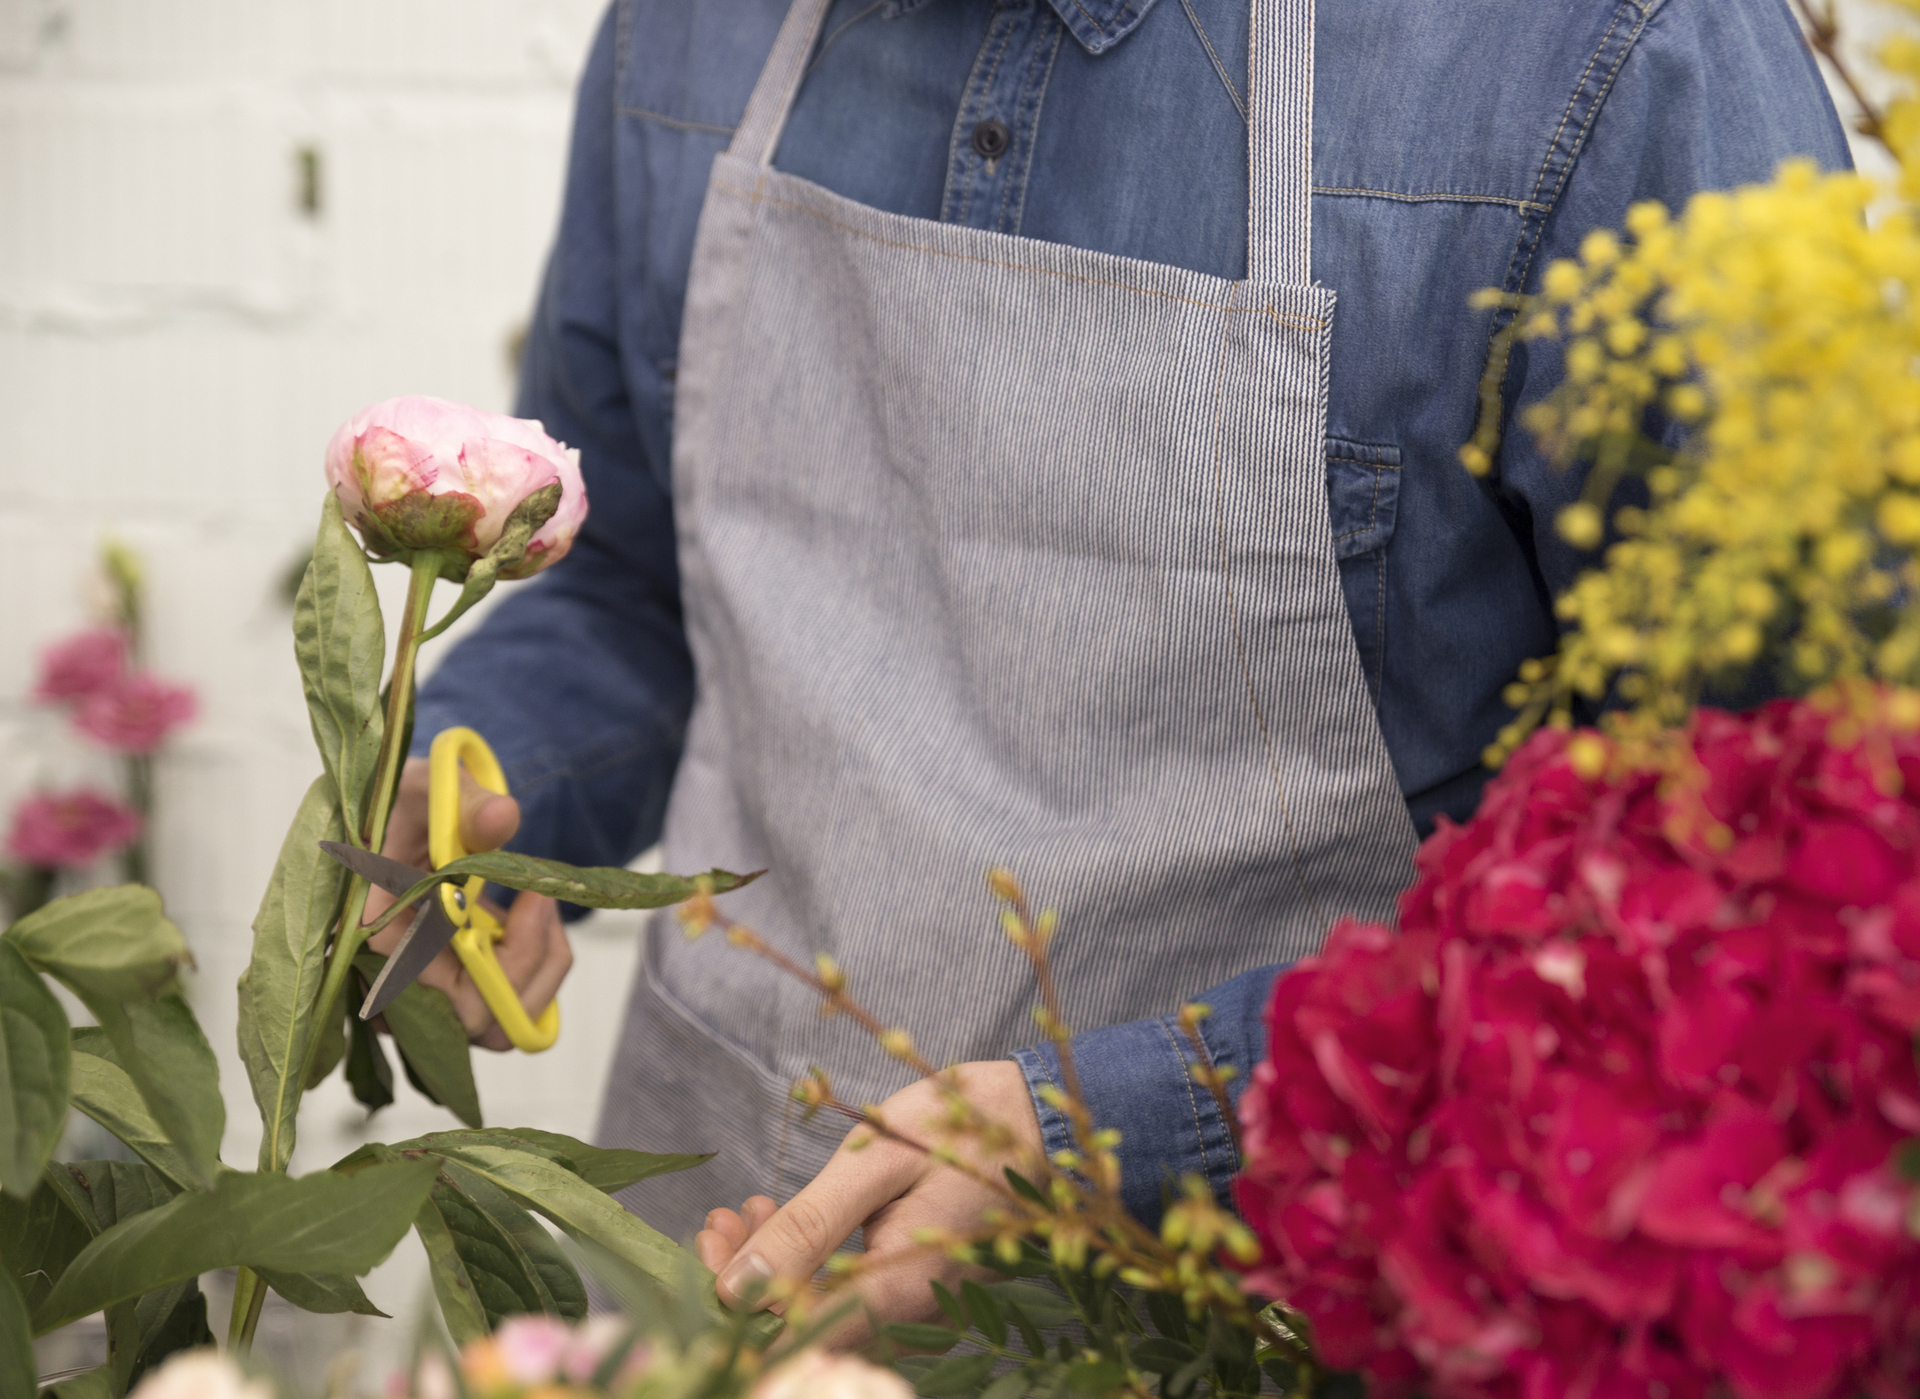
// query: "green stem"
[[350, 936], [249, 1296], [140, 792]]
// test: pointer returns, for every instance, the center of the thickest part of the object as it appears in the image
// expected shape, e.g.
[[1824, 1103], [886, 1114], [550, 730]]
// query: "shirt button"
[[991, 138]]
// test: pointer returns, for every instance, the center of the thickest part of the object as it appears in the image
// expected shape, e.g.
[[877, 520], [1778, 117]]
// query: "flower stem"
[[250, 1291]]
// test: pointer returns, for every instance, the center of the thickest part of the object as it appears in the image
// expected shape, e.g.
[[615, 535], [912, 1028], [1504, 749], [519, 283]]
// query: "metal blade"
[[432, 930], [393, 876]]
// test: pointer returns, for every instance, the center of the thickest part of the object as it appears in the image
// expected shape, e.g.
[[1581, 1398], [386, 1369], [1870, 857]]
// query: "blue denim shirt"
[[1456, 147]]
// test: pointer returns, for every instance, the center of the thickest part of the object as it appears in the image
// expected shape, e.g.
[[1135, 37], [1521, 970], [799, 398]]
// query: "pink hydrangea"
[[1615, 1111], [81, 665], [59, 830], [135, 713]]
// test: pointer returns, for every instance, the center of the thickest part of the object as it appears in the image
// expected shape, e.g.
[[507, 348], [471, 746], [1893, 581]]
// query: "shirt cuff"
[[1135, 1079]]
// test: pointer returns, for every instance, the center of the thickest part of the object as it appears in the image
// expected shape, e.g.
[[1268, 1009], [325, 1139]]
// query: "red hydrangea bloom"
[[81, 665], [135, 713], [1614, 1112], [56, 830]]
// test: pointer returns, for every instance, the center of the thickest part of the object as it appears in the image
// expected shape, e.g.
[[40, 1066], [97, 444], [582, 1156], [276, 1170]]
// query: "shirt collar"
[[1097, 24]]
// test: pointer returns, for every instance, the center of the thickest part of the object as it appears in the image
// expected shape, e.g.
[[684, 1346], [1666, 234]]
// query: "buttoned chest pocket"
[[1363, 502]]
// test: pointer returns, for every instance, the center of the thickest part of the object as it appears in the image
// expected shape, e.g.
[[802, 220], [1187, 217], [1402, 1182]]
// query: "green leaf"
[[453, 1286], [39, 1236], [281, 983], [324, 1293], [949, 1305], [921, 1335], [1012, 1385], [511, 1262], [166, 1320], [1096, 1377], [36, 1066], [551, 1189], [333, 1045], [432, 1043], [105, 944], [104, 1091], [18, 1374], [341, 644], [1906, 1159], [96, 1383], [1161, 1356], [1044, 1307], [596, 886], [1168, 1314], [985, 1312], [324, 1223], [959, 1374], [161, 1048], [1188, 1375], [606, 1169], [368, 1071]]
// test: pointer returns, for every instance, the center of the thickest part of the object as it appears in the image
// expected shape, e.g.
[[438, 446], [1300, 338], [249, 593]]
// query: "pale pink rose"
[[422, 473], [200, 1374], [80, 665], [135, 713], [819, 1374], [58, 830]]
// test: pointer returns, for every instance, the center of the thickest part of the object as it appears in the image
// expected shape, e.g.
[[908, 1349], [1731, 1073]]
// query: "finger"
[[800, 1236], [713, 1249], [756, 1212], [531, 937], [729, 1226], [488, 820]]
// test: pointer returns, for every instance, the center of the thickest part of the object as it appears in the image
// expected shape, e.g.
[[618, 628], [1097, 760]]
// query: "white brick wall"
[[178, 339]]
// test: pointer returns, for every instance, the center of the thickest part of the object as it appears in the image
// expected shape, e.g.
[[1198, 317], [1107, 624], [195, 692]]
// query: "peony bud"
[[422, 474], [818, 1374], [201, 1374]]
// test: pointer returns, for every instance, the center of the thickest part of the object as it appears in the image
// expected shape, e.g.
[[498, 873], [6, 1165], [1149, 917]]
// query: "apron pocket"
[[1363, 503]]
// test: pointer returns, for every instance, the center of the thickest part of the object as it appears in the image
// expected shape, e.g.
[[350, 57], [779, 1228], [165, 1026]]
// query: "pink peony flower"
[[135, 713], [81, 665], [538, 1351], [1614, 1111], [423, 473], [56, 831]]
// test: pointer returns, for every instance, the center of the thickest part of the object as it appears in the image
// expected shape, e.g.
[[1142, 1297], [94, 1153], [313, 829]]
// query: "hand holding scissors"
[[533, 952]]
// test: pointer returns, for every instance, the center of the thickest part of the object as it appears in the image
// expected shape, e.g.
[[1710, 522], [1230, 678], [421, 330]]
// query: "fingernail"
[[746, 1270]]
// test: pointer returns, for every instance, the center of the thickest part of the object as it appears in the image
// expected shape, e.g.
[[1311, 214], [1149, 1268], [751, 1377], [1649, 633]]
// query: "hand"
[[534, 952], [894, 1190]]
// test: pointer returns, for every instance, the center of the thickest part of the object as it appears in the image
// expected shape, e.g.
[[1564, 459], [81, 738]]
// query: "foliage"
[[132, 1238], [1776, 324]]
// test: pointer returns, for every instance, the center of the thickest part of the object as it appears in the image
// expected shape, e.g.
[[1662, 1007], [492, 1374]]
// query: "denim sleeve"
[[581, 679], [1135, 1078], [1715, 94]]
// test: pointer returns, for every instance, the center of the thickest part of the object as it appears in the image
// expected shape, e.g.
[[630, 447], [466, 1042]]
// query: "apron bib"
[[993, 551]]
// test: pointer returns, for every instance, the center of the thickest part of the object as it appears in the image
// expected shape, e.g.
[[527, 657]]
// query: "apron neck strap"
[[758, 135], [1279, 126], [1280, 141]]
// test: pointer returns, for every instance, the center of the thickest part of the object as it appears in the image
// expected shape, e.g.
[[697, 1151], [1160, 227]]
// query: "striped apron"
[[993, 551]]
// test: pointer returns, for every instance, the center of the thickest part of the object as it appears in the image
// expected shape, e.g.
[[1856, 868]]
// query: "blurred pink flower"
[[80, 665], [422, 473], [819, 1374], [135, 713], [57, 830]]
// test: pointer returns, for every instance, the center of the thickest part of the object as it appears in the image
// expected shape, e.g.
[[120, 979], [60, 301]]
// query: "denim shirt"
[[1456, 147]]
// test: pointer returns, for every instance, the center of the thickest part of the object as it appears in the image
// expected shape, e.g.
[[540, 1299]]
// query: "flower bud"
[[422, 474]]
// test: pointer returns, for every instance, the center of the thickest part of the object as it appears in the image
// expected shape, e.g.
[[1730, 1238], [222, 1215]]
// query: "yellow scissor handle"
[[476, 929]]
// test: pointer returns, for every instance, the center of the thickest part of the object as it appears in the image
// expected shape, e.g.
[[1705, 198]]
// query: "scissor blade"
[[432, 930], [393, 876]]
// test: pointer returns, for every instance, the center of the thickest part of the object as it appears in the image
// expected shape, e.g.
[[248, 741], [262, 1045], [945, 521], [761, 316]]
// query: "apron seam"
[[1233, 622], [758, 196]]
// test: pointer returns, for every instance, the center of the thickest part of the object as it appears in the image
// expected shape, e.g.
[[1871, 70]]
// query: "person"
[[1026, 433]]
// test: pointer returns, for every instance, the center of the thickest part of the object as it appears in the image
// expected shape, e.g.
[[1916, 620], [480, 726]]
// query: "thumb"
[[487, 819], [804, 1232]]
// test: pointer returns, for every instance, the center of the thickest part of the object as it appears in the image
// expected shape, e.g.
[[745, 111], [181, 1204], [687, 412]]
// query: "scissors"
[[454, 914]]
